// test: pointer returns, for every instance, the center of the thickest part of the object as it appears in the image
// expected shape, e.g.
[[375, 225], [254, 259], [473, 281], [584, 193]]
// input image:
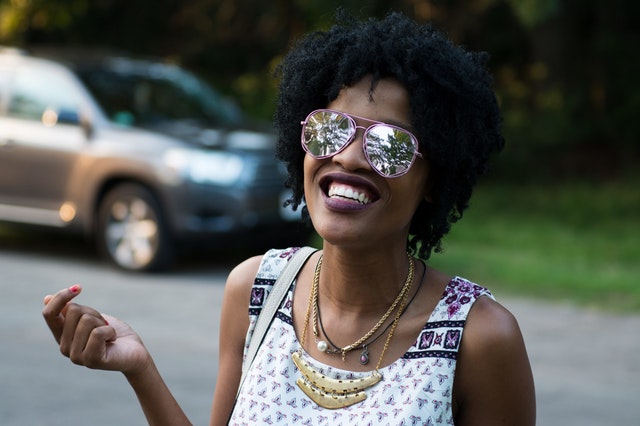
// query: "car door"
[[40, 141]]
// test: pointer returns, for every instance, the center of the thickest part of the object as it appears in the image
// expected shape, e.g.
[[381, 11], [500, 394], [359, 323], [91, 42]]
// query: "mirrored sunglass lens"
[[326, 132], [390, 150]]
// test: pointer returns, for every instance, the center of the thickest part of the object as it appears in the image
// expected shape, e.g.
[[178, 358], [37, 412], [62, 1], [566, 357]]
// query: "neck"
[[362, 281]]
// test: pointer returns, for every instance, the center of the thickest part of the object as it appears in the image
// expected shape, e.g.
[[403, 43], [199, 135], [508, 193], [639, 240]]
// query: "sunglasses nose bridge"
[[352, 155], [358, 135]]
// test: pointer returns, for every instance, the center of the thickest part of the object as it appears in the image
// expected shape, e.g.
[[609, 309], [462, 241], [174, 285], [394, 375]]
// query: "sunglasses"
[[390, 150]]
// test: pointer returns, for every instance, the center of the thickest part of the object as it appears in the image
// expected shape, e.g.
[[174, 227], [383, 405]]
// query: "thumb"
[[56, 307]]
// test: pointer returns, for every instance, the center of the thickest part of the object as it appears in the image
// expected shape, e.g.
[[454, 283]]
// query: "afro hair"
[[454, 111]]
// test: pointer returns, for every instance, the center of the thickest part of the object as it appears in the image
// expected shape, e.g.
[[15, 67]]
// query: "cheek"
[[307, 165], [310, 167], [311, 194], [417, 186]]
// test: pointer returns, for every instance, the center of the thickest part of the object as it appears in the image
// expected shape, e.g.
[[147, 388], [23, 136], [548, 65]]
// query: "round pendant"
[[322, 346]]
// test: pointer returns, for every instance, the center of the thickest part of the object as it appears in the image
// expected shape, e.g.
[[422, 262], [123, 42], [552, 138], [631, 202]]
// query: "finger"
[[55, 308], [95, 351], [89, 328], [48, 298], [79, 321]]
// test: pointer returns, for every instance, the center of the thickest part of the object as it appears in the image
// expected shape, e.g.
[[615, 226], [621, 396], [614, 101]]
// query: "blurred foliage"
[[572, 241], [565, 71]]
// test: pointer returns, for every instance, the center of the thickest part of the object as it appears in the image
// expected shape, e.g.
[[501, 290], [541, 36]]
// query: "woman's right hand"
[[92, 339], [103, 342]]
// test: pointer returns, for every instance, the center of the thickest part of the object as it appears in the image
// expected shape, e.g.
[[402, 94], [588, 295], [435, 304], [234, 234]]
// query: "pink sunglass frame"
[[351, 138]]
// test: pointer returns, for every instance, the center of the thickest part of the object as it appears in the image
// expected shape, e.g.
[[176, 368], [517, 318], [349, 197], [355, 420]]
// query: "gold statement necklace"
[[337, 393]]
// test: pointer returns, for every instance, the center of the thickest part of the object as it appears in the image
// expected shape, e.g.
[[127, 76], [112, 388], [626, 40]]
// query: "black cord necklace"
[[364, 355]]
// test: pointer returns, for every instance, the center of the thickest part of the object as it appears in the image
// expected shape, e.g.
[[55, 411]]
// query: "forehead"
[[388, 102]]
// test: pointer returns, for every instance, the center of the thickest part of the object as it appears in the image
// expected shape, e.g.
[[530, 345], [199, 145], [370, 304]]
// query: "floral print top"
[[416, 388]]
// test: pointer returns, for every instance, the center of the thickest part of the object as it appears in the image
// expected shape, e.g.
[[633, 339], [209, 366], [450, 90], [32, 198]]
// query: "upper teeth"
[[346, 192]]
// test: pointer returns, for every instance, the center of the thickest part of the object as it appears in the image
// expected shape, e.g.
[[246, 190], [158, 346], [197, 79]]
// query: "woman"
[[395, 123]]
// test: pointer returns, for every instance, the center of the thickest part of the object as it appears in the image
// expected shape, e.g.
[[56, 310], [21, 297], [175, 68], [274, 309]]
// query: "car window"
[[35, 91], [148, 96]]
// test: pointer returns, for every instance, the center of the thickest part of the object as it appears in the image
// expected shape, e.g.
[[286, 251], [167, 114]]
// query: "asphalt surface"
[[586, 364]]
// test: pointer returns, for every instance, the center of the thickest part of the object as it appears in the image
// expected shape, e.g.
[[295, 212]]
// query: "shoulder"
[[491, 332], [503, 386], [490, 322], [263, 268], [234, 323], [242, 276]]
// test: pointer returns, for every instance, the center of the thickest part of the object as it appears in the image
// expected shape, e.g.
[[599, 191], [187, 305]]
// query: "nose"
[[352, 157]]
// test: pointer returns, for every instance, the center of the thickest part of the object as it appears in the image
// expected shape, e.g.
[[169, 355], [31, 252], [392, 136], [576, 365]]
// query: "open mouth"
[[351, 191]]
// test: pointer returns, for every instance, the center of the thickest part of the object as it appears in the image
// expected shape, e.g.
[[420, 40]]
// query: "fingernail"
[[106, 322], [74, 288]]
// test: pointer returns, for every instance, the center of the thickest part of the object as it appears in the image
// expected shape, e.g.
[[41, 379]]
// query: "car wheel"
[[131, 232]]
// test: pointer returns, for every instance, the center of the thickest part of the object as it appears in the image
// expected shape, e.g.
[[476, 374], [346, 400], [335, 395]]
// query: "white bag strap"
[[271, 305]]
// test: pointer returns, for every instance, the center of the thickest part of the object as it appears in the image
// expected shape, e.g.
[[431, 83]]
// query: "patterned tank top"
[[416, 388]]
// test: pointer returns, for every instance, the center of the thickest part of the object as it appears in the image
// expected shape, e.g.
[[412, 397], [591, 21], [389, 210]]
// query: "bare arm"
[[103, 342], [494, 383], [234, 323]]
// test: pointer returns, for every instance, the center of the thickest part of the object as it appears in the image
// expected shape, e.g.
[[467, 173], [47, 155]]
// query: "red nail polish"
[[74, 288], [106, 322]]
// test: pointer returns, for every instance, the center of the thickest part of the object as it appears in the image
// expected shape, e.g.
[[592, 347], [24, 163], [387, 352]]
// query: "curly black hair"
[[454, 111]]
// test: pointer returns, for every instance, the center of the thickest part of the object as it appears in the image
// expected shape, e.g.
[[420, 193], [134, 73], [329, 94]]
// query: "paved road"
[[586, 364]]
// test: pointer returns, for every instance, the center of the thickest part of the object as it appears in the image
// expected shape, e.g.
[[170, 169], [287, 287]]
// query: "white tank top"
[[416, 389]]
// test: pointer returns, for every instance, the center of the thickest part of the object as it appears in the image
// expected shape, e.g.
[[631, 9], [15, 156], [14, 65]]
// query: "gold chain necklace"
[[336, 393], [322, 345], [334, 349]]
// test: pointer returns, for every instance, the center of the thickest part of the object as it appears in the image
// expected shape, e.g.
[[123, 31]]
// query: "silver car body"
[[60, 154]]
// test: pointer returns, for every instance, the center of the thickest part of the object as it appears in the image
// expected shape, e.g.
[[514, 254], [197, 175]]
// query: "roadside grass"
[[577, 242]]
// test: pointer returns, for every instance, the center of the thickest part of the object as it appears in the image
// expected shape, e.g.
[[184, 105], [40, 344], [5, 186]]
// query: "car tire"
[[131, 231]]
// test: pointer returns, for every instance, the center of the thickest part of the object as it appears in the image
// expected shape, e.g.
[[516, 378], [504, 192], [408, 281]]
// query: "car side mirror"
[[68, 116], [75, 118]]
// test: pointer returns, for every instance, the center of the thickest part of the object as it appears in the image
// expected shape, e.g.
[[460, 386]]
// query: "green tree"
[[565, 70]]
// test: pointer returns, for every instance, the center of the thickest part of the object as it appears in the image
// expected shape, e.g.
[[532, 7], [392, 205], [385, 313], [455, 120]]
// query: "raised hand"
[[92, 339], [103, 342]]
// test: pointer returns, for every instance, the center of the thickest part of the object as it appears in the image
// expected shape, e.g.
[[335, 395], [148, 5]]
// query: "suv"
[[140, 155]]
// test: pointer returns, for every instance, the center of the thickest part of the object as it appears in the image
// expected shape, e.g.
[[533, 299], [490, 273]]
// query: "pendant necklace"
[[339, 393], [323, 346], [332, 349]]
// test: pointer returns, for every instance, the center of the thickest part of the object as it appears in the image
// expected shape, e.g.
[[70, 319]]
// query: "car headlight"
[[214, 167]]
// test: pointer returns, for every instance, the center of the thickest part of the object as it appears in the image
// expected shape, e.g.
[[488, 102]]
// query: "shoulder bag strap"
[[272, 303]]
